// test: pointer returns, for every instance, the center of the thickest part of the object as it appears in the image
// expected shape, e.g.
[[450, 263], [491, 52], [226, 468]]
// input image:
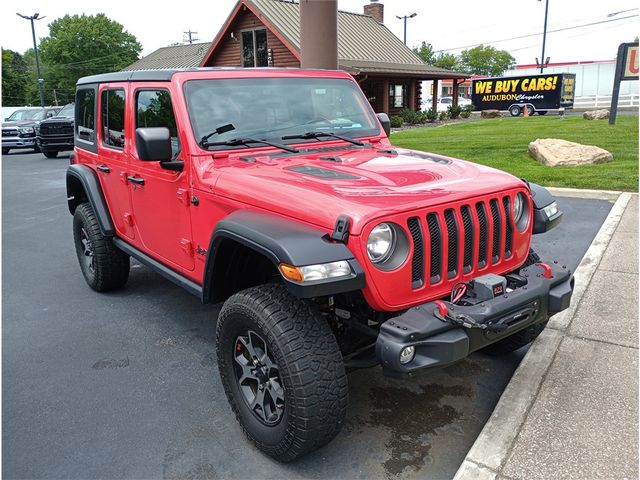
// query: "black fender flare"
[[282, 240], [542, 198], [83, 183]]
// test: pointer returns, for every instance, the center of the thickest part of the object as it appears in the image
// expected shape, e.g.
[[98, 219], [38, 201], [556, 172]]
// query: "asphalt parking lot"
[[125, 385]]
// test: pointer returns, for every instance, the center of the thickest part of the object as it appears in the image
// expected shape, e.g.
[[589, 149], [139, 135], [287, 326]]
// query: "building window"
[[254, 48], [398, 96], [113, 118]]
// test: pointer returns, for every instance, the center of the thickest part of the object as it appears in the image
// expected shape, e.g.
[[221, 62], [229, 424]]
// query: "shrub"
[[465, 113], [421, 117], [396, 121], [409, 116], [431, 115], [454, 111], [443, 116]]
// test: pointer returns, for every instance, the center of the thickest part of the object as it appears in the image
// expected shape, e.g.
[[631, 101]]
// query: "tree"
[[448, 61], [487, 60], [82, 45], [425, 52], [14, 78]]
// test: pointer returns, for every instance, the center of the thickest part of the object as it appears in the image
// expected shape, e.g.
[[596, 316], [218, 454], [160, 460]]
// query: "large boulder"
[[553, 152], [490, 113], [596, 114]]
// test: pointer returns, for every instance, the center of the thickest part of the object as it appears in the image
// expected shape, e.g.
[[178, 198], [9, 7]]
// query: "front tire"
[[282, 371], [5, 151], [50, 153], [515, 110], [104, 266]]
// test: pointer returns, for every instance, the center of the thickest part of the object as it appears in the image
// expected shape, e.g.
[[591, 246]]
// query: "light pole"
[[35, 16], [405, 24], [544, 35]]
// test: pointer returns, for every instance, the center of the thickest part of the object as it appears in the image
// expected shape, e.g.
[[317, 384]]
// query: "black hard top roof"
[[160, 75]]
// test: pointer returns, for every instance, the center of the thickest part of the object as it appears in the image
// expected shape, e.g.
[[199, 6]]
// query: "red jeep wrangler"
[[278, 193]]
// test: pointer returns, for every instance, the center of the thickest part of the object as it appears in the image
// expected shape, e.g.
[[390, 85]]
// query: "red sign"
[[631, 62]]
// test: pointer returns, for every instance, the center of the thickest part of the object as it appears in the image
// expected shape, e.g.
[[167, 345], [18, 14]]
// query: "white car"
[[444, 103]]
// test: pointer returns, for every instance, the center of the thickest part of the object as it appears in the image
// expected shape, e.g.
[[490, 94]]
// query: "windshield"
[[67, 111], [270, 108], [25, 115]]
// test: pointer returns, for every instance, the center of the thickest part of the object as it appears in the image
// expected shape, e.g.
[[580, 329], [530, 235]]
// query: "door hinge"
[[183, 196], [187, 247]]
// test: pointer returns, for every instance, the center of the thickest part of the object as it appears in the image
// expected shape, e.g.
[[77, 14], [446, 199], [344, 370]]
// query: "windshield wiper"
[[307, 135], [248, 141], [218, 131]]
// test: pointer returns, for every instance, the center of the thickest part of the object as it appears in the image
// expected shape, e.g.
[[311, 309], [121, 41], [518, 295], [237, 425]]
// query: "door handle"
[[103, 168], [136, 180]]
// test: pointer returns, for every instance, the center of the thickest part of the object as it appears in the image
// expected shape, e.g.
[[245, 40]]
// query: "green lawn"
[[502, 143]]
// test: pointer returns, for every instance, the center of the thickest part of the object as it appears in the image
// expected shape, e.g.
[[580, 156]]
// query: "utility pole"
[[189, 38], [36, 16], [544, 35], [405, 24]]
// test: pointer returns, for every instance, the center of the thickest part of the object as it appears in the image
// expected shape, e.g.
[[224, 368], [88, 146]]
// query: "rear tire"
[[530, 110], [5, 151], [541, 112], [104, 266], [50, 153], [515, 110], [298, 353]]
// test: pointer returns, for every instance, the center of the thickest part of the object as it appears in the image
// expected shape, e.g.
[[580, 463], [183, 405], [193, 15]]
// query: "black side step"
[[190, 286]]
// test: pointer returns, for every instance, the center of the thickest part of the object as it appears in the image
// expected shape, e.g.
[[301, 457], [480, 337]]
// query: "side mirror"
[[154, 144], [385, 122]]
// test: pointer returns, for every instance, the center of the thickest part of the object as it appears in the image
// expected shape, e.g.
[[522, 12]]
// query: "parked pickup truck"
[[55, 134], [278, 193]]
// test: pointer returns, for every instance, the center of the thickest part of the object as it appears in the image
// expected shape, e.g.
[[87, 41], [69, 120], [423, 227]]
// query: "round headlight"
[[380, 243], [521, 212]]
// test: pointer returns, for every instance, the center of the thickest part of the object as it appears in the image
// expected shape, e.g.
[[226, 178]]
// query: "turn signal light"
[[291, 273]]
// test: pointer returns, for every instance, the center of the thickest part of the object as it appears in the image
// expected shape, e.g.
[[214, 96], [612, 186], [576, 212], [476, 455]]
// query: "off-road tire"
[[523, 337], [50, 153], [309, 363], [110, 265], [5, 151]]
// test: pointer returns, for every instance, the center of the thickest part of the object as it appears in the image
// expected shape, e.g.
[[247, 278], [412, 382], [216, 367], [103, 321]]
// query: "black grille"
[[467, 264], [508, 237], [484, 235], [417, 262], [9, 133], [497, 226], [452, 233], [56, 129], [436, 247]]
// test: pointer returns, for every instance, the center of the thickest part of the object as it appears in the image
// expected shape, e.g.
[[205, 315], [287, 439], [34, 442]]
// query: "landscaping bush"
[[454, 111], [443, 116], [421, 117], [409, 116], [466, 111], [431, 115], [396, 121]]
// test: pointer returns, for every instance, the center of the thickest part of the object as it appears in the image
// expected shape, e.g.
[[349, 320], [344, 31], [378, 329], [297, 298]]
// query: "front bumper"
[[18, 142], [438, 343], [56, 143]]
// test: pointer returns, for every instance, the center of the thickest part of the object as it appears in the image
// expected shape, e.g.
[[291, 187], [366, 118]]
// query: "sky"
[[470, 22]]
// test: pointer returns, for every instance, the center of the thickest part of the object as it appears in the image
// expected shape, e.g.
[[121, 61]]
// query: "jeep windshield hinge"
[[341, 230]]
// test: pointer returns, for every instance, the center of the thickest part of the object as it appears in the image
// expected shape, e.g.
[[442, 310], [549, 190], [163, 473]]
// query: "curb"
[[492, 447], [584, 193]]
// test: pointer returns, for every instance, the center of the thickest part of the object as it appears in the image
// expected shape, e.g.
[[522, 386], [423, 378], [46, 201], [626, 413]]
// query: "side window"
[[85, 114], [112, 108], [154, 109]]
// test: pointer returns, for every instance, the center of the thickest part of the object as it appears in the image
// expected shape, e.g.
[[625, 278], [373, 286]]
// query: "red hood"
[[364, 184]]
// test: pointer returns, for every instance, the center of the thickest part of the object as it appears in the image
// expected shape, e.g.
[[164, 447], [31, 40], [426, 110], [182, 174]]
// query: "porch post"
[[412, 94], [385, 96], [454, 101], [319, 34], [434, 97]]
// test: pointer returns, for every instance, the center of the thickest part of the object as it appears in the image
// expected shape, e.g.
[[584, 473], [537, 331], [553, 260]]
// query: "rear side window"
[[112, 108], [85, 115], [154, 109]]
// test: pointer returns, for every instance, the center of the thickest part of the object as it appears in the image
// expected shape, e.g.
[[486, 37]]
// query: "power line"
[[536, 34]]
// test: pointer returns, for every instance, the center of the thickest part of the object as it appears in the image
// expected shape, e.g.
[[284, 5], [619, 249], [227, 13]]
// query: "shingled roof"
[[174, 56], [364, 45]]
